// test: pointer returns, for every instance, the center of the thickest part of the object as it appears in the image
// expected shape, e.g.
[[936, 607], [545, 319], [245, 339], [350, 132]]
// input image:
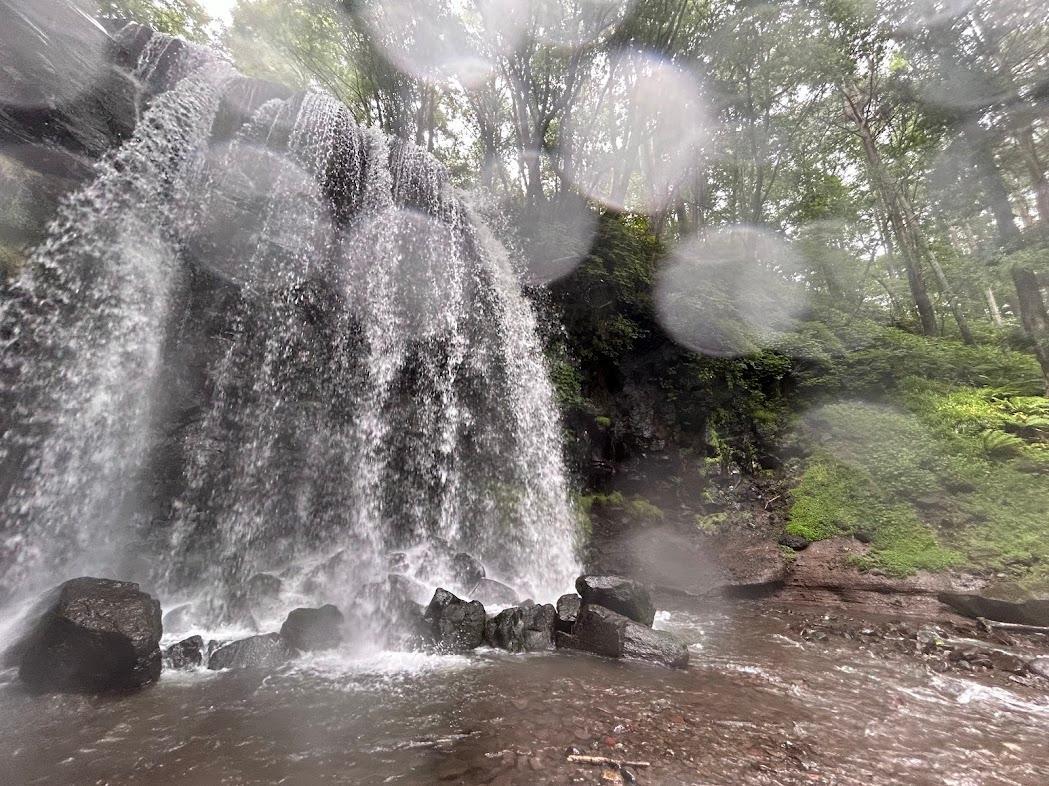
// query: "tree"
[[186, 18]]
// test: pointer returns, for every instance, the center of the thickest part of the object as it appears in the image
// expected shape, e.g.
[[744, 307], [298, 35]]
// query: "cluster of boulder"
[[101, 636], [613, 616]]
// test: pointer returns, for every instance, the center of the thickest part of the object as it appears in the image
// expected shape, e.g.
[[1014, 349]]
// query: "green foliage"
[[1004, 424], [587, 502], [710, 523], [637, 508], [922, 482], [566, 381], [186, 18], [864, 358]]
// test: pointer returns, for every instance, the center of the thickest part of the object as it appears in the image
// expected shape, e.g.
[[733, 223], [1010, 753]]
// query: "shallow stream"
[[758, 705]]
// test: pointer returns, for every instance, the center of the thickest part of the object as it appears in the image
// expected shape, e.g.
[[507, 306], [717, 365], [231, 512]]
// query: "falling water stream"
[[288, 349]]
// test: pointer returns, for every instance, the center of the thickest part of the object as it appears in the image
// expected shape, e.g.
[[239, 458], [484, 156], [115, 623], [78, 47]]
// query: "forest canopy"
[[898, 145]]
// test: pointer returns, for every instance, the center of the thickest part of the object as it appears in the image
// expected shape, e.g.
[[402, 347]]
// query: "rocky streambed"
[[772, 694]]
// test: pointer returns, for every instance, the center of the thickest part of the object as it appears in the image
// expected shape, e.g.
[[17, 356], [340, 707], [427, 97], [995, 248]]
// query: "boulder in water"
[[605, 632], [522, 629], [404, 588], [391, 611], [494, 593], [624, 596], [567, 611], [257, 652], [313, 629], [187, 654], [455, 624], [92, 635], [466, 570]]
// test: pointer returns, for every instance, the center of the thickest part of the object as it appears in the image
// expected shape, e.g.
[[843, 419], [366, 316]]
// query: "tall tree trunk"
[[992, 305], [1036, 170], [994, 185], [1033, 315], [1030, 305], [952, 301], [904, 226]]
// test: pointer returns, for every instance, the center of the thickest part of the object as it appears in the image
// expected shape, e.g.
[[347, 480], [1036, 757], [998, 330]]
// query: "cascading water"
[[82, 334], [288, 350]]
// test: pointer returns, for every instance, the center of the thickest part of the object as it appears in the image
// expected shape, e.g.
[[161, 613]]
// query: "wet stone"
[[313, 629], [91, 635], [263, 652], [186, 653], [456, 625], [567, 611], [621, 595]]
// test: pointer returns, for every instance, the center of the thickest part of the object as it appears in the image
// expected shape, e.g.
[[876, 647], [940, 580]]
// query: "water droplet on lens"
[[728, 293], [637, 132]]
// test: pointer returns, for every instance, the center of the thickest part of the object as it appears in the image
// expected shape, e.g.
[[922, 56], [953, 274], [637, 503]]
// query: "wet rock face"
[[455, 624], [68, 92], [522, 629], [257, 652], [313, 629], [604, 632], [467, 570], [94, 636], [187, 654], [625, 596], [263, 587], [567, 611], [390, 611], [494, 593]]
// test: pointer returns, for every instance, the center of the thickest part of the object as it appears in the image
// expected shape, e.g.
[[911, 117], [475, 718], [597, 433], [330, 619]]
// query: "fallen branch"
[[1016, 627], [773, 499], [604, 761]]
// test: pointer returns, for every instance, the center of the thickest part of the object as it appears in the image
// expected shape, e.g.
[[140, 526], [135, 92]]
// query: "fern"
[[999, 443]]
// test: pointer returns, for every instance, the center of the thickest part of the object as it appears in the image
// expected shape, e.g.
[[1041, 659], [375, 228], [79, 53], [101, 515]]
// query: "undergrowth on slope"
[[921, 481]]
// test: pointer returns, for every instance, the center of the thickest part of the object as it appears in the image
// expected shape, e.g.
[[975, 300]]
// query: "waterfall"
[[82, 331], [285, 347]]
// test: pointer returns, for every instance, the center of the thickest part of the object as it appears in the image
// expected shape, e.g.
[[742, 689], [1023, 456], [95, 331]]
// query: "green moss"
[[711, 522], [603, 422], [834, 499], [923, 483], [821, 509], [643, 510], [566, 381]]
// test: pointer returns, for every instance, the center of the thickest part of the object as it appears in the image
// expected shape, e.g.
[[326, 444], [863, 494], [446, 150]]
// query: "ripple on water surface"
[[758, 705]]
